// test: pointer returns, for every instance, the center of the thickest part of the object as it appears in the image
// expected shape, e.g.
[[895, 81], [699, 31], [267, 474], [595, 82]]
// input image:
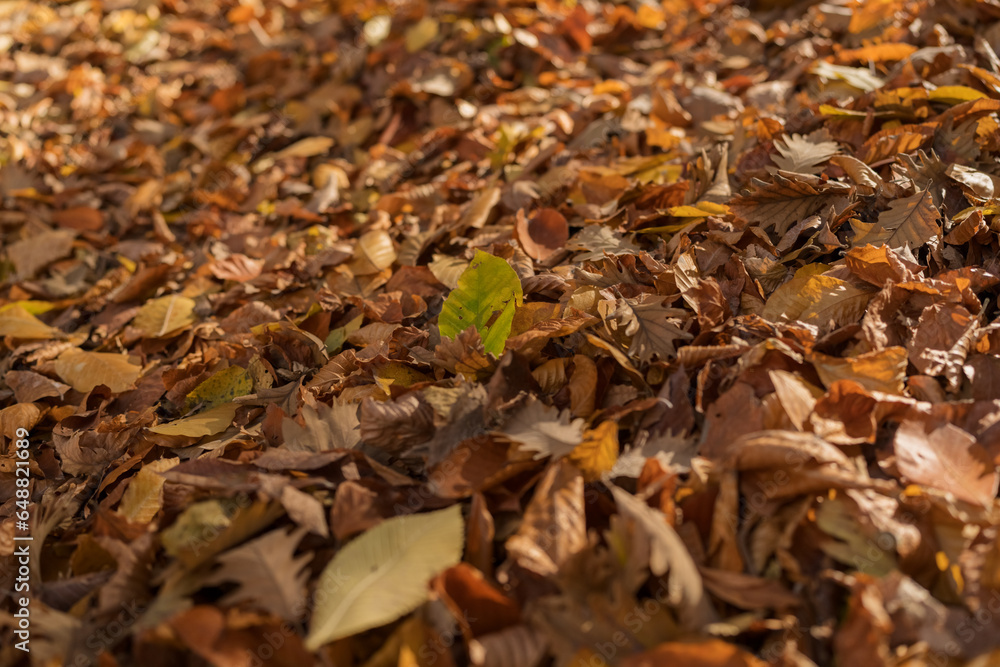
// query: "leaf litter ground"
[[502, 333]]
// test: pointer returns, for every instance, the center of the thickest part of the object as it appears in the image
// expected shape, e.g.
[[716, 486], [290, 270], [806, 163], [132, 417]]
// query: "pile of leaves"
[[502, 333]]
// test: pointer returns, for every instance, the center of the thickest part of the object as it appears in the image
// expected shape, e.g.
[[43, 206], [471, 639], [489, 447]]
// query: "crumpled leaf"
[[801, 155], [907, 225], [947, 458], [784, 201], [554, 527], [268, 573], [648, 324], [818, 299], [327, 427], [668, 556], [543, 429]]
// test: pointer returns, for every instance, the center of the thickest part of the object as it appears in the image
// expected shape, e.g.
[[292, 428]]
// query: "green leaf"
[[487, 287], [383, 574]]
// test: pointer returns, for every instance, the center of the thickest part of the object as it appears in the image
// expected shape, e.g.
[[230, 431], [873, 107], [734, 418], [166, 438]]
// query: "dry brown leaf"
[[946, 458], [907, 225], [554, 527], [784, 201]]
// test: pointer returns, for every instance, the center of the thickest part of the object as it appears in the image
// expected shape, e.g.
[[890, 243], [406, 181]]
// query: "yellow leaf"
[[336, 338], [421, 34], [307, 147], [33, 307], [699, 210], [221, 387], [877, 53], [378, 249], [598, 452], [830, 110], [164, 316], [817, 299], [671, 229], [955, 94], [19, 323], [399, 374], [144, 496], [883, 370], [210, 527], [84, 370], [209, 422]]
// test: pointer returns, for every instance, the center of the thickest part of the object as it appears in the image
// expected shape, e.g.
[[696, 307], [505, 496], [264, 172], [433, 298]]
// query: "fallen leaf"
[[946, 458], [488, 291], [165, 316], [383, 574], [84, 370], [19, 323], [209, 422], [784, 201], [268, 573], [598, 452]]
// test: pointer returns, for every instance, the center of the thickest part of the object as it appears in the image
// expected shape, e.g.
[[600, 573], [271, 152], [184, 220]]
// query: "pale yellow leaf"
[[85, 370], [209, 422], [144, 496], [421, 34], [19, 323], [378, 249], [307, 147], [165, 315], [383, 574]]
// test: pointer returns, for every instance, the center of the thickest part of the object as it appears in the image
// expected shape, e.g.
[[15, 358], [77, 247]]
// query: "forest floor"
[[499, 333]]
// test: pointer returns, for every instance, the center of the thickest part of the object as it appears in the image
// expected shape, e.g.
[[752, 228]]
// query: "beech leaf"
[[268, 573], [487, 294], [165, 316], [907, 225], [785, 201], [383, 574], [209, 422], [544, 429], [83, 370]]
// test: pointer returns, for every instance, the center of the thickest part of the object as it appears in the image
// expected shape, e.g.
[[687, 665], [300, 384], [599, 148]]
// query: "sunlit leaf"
[[488, 292], [18, 322], [598, 452], [221, 387]]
